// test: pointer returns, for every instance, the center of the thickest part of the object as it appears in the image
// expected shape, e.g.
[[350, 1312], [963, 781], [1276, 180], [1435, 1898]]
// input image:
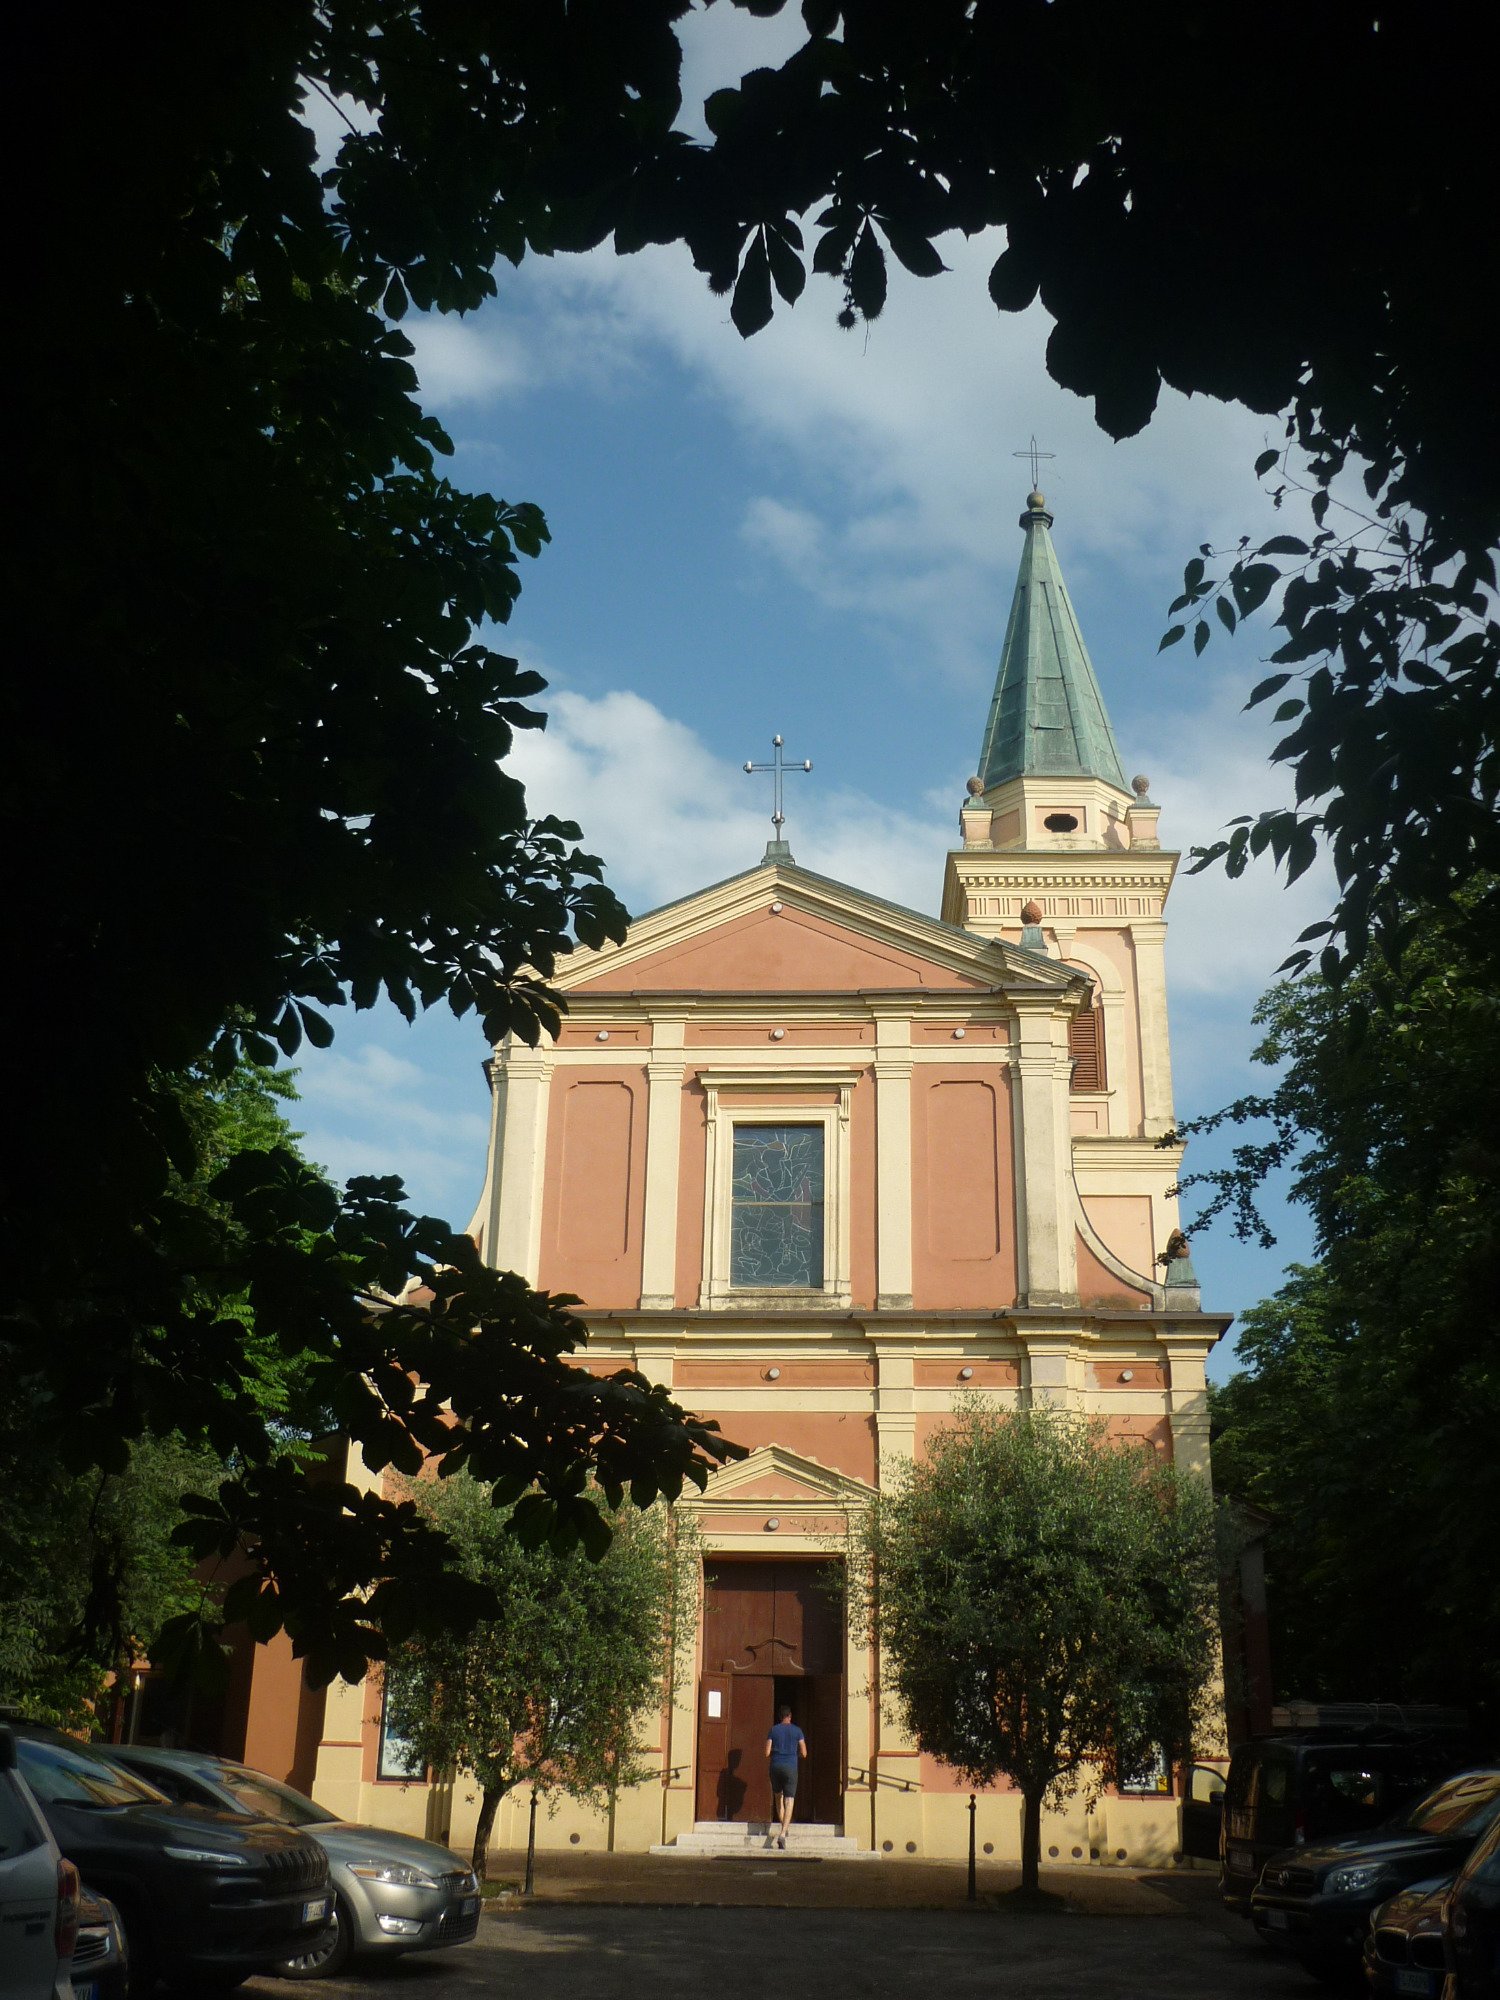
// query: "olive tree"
[[549, 1692], [1044, 1602]]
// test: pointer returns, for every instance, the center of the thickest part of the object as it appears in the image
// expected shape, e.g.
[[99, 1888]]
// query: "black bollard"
[[973, 1881]]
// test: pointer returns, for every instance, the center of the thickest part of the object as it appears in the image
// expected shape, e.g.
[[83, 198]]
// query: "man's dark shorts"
[[784, 1780]]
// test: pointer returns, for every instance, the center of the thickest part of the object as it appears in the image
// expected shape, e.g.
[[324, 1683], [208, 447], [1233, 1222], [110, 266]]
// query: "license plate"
[[1417, 1982], [1278, 1920], [1241, 1861], [311, 1912], [471, 1905]]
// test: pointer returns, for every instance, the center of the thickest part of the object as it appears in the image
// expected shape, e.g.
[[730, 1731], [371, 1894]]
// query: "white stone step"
[[717, 1839]]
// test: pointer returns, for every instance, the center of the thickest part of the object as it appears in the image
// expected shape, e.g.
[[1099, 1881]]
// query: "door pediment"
[[771, 1472]]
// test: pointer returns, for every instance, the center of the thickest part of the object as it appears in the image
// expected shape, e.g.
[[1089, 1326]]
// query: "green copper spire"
[[1047, 719]]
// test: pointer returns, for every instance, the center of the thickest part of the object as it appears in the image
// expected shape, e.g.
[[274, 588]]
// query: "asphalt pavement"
[[1175, 1944]]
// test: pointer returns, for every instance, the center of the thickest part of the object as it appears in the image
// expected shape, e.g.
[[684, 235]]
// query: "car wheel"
[[328, 1952]]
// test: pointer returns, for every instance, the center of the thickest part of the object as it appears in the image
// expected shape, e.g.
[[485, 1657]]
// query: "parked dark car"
[[1404, 1944], [391, 1891], [206, 1899], [1471, 1925], [1304, 1786], [100, 1958], [1316, 1900]]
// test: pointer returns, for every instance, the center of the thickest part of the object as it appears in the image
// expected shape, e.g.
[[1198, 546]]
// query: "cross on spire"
[[776, 847], [1036, 455]]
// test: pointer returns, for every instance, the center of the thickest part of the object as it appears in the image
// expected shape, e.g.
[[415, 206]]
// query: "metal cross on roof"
[[778, 769], [1036, 456]]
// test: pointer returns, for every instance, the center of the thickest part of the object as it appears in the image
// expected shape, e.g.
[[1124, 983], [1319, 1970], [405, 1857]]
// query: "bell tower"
[[1059, 854]]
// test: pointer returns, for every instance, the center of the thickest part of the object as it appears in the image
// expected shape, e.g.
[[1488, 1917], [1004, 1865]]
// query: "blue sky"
[[816, 532]]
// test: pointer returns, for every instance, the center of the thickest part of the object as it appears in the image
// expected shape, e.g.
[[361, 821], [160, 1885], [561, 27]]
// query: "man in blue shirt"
[[786, 1746]]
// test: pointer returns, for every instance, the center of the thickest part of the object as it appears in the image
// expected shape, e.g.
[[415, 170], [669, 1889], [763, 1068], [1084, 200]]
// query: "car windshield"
[[267, 1799], [67, 1774], [1463, 1805]]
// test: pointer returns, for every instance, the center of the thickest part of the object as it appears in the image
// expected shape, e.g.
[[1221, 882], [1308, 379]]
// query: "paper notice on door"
[[715, 1704]]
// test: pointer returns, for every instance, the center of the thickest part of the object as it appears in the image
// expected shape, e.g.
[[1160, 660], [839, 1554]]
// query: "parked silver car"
[[392, 1892], [39, 1894]]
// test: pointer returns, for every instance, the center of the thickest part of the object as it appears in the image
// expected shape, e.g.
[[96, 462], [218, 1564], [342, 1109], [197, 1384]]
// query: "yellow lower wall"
[[1133, 1833]]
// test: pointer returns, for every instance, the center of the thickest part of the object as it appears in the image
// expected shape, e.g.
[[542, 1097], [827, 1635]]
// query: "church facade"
[[823, 1165]]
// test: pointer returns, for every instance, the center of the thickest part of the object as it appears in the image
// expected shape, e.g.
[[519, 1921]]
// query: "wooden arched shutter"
[[1086, 1043]]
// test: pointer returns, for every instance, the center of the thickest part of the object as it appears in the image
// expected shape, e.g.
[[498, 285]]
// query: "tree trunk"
[[489, 1805], [530, 1882], [1031, 1841]]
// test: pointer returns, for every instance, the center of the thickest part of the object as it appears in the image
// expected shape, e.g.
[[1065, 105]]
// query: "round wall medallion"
[[966, 1374], [602, 1036], [959, 1033], [772, 1525], [778, 1034], [1127, 1374], [776, 909], [773, 1374]]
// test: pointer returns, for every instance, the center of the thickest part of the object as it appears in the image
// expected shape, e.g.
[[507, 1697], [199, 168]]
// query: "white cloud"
[[372, 1111], [331, 119], [434, 1176], [1228, 937], [890, 483], [720, 44], [465, 361], [668, 816], [376, 1085]]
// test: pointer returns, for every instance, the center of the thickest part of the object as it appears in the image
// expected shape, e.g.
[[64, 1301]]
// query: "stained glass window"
[[776, 1234]]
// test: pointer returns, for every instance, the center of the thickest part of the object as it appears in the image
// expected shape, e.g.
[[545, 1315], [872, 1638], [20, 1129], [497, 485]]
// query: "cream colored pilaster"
[[1045, 1165], [664, 1074], [657, 1363], [893, 1189], [1150, 937], [1116, 1059], [1187, 1398], [895, 1406], [338, 1773], [522, 1081], [1054, 1370]]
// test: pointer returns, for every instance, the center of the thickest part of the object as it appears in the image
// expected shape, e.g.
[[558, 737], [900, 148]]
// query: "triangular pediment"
[[781, 929], [771, 1472]]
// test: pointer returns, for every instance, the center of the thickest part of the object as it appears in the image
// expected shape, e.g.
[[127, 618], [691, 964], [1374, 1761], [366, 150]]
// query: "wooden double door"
[[773, 1632]]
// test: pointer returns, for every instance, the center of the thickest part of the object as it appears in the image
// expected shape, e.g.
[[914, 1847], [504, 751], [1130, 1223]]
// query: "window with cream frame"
[[816, 1099]]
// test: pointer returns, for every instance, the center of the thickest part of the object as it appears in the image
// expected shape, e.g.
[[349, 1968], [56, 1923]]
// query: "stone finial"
[[1182, 1290], [974, 817], [1031, 929], [1143, 814]]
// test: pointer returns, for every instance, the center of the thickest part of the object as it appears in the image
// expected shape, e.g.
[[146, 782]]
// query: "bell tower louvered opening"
[[1086, 1044]]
